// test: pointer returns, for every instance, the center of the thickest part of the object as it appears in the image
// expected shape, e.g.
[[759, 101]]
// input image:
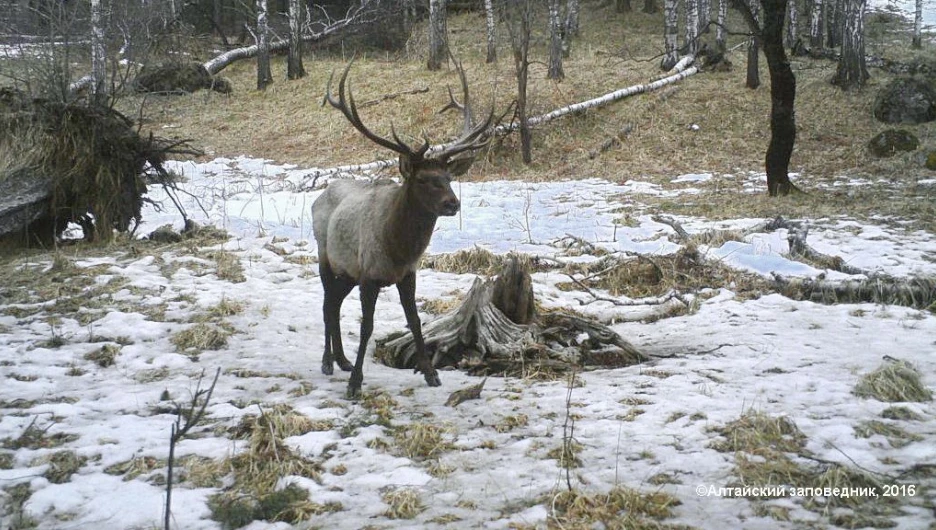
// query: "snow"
[[731, 356]]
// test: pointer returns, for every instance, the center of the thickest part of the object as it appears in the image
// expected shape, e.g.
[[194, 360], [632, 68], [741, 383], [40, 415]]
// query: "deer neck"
[[409, 227]]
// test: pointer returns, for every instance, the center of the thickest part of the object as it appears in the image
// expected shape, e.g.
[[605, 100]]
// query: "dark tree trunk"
[[754, 45], [782, 93], [852, 72], [622, 6], [834, 23], [437, 43], [519, 17], [782, 98]]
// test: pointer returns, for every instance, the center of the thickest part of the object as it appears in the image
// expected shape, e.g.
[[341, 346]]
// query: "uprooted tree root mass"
[[64, 163]]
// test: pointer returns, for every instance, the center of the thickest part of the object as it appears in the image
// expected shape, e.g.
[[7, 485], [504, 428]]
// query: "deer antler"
[[347, 107], [472, 137]]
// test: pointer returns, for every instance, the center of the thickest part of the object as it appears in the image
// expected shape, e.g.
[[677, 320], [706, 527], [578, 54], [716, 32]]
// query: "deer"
[[371, 235]]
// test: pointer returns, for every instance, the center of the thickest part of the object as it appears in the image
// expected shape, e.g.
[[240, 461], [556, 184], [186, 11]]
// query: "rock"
[[179, 78], [906, 100], [930, 161], [888, 143]]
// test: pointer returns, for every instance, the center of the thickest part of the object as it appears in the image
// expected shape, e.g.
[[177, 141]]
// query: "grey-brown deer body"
[[372, 234]]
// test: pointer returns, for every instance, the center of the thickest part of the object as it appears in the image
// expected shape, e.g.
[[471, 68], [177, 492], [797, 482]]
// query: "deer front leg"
[[407, 290], [369, 291]]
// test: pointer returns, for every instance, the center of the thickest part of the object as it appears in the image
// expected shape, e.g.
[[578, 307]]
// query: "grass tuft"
[[104, 356], [198, 338], [756, 431], [893, 381], [621, 508], [423, 440], [402, 503], [476, 260]]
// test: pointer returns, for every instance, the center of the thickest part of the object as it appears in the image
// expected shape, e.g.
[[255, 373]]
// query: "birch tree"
[[294, 68], [705, 14], [670, 34], [554, 70], [491, 36], [572, 19], [437, 42], [792, 28], [98, 54], [264, 76], [721, 35], [692, 27], [852, 72], [918, 25], [815, 26]]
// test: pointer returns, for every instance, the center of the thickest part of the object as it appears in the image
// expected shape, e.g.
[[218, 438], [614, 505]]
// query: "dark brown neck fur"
[[409, 227]]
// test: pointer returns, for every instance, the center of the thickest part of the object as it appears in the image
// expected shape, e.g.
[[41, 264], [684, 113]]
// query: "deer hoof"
[[328, 369], [345, 365], [433, 379], [353, 393]]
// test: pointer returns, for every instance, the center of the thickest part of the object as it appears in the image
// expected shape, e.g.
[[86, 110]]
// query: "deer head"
[[427, 173]]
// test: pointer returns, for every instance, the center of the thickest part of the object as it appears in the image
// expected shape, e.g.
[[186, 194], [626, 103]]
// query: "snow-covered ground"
[[633, 425]]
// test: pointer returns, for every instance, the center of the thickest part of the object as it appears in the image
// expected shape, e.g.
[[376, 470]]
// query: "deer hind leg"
[[336, 289], [407, 290], [369, 291]]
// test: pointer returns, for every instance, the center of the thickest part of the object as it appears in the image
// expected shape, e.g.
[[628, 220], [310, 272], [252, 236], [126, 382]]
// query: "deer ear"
[[459, 166], [406, 166]]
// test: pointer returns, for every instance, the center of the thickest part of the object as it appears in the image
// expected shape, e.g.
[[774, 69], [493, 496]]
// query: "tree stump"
[[496, 331]]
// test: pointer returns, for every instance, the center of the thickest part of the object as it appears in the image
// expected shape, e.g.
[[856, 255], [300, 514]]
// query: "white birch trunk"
[[264, 76], [691, 40], [294, 67], [815, 26], [98, 53], [436, 34], [918, 25], [721, 36], [670, 34], [705, 14], [554, 70], [852, 69], [572, 18], [792, 29], [491, 35]]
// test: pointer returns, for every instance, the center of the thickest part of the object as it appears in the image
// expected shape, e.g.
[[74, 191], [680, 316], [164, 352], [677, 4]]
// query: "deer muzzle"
[[450, 207]]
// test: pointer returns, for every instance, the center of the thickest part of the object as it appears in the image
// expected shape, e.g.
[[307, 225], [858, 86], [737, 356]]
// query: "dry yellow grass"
[[287, 124]]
